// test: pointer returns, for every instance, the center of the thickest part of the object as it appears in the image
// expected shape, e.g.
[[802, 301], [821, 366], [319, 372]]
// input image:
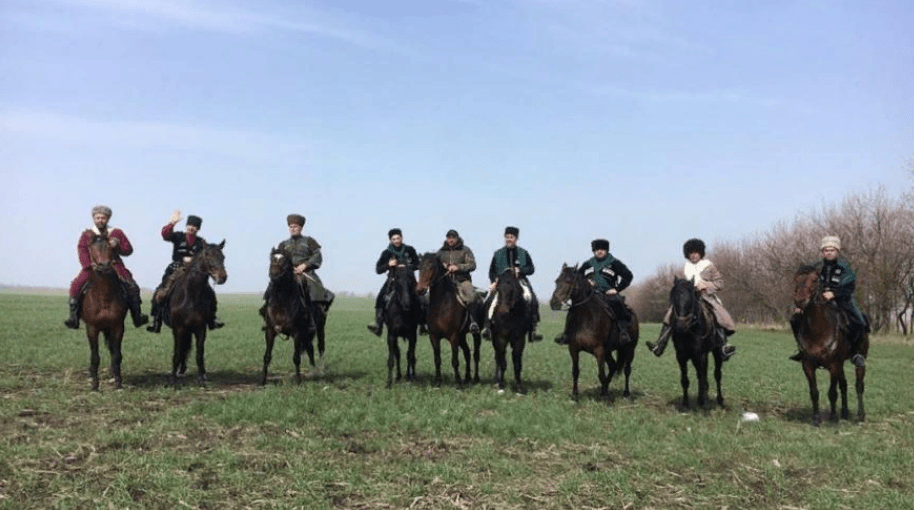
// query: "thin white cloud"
[[63, 130], [226, 18]]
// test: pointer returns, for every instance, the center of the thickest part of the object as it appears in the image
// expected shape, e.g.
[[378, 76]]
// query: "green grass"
[[341, 440]]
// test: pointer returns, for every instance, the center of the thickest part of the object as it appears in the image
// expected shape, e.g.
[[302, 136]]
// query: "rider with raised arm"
[[708, 280], [184, 246]]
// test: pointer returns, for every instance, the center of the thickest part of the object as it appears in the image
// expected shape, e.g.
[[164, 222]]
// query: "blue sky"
[[644, 122]]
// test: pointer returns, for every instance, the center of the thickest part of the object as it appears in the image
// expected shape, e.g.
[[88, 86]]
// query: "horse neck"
[[106, 282], [195, 280], [581, 291]]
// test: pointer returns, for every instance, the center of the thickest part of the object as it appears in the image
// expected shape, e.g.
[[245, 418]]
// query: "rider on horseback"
[[708, 280], [516, 258], [120, 247], [184, 246], [459, 261], [837, 280], [396, 254], [609, 276], [306, 257]]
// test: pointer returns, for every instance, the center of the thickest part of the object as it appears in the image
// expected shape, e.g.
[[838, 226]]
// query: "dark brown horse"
[[286, 312], [191, 307], [401, 315], [446, 317], [589, 327], [824, 343], [104, 308], [694, 338], [510, 324]]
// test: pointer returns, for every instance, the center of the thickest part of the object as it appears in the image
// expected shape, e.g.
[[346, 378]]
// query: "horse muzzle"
[[219, 276]]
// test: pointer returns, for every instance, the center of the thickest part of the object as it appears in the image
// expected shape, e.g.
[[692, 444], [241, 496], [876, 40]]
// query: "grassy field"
[[341, 440]]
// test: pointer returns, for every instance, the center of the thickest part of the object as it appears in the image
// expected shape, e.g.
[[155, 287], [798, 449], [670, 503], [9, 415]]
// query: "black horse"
[[286, 312], [191, 307], [590, 327], [401, 315], [446, 318], [510, 324], [694, 337]]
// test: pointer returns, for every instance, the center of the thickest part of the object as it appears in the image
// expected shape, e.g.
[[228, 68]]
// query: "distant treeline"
[[877, 237]]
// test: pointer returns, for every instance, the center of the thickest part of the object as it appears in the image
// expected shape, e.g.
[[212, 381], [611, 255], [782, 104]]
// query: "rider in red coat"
[[120, 247]]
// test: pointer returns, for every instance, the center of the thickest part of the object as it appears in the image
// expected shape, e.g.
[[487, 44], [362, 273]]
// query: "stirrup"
[[561, 339]]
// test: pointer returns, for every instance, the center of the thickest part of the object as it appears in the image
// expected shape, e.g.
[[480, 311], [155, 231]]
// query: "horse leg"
[[517, 353], [465, 347], [114, 340], [601, 354], [393, 357], [629, 356], [411, 356], [575, 371], [269, 337], [810, 370], [842, 385], [718, 375], [611, 366], [436, 349], [320, 342], [833, 396], [861, 372], [308, 344], [200, 335], [701, 370], [179, 353], [477, 344], [501, 362], [684, 377], [298, 345], [94, 359]]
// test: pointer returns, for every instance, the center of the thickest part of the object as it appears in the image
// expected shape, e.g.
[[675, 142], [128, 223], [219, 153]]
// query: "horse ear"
[[564, 265], [222, 244]]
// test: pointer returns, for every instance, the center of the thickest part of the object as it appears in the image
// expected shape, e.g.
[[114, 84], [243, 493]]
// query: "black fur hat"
[[514, 231], [296, 219], [452, 233], [599, 244], [693, 245], [195, 221], [394, 232]]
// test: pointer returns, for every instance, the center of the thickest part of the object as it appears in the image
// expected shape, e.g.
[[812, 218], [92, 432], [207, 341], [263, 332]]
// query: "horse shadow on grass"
[[615, 395], [225, 379]]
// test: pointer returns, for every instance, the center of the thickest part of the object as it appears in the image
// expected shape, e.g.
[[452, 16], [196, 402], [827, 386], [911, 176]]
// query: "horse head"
[[565, 286], [508, 290], [100, 254], [684, 298], [429, 270], [403, 284], [212, 262], [805, 286], [280, 265]]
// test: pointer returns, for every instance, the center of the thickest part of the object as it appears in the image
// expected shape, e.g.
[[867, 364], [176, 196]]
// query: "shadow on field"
[[214, 379], [615, 395], [694, 408]]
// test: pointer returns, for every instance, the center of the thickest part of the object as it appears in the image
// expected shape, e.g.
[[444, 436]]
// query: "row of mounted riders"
[[598, 320]]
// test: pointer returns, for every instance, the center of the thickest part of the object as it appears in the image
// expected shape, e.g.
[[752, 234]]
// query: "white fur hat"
[[831, 242]]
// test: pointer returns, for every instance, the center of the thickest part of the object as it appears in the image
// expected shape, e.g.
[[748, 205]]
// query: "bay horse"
[[190, 307], [510, 324], [694, 337], [589, 327], [446, 317], [401, 315], [286, 312], [104, 307], [824, 343]]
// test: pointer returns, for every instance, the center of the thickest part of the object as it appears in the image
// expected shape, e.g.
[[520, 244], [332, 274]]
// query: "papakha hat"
[[296, 219], [394, 232], [195, 221], [103, 209], [514, 231], [693, 245], [599, 244], [831, 242]]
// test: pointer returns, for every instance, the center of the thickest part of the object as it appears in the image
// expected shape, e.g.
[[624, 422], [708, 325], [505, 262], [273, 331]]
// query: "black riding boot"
[[795, 326], [133, 302], [155, 315], [378, 325], [856, 335], [214, 323], [73, 321], [473, 310], [664, 338], [726, 351]]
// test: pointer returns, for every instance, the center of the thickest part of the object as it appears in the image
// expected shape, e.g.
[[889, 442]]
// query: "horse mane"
[[805, 269]]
